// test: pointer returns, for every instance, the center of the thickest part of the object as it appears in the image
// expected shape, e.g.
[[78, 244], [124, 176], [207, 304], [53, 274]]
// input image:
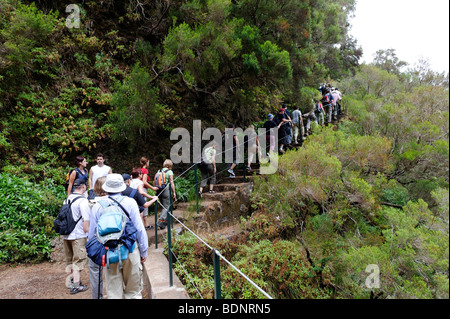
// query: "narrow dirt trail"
[[38, 281]]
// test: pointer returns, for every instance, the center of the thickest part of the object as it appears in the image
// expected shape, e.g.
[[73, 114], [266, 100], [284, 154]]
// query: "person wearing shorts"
[[75, 243]]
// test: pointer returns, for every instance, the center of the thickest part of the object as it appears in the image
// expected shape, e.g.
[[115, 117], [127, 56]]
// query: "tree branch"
[[392, 205]]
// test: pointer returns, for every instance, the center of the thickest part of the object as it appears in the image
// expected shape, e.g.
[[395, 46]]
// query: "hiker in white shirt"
[[98, 170], [75, 243]]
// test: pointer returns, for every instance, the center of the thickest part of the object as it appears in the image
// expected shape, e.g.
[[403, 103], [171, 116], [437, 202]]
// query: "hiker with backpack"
[[318, 112], [327, 101], [164, 180], [74, 227], [335, 102], [80, 172], [297, 121], [323, 89], [289, 132], [270, 125], [119, 244], [96, 271], [282, 121]]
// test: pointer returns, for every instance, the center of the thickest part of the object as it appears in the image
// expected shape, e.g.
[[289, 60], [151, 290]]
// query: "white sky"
[[414, 28]]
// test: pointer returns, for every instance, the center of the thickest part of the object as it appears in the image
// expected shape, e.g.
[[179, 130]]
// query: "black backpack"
[[64, 223], [317, 108]]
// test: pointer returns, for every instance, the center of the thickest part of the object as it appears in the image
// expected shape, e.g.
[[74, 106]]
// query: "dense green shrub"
[[323, 219], [27, 212], [279, 267], [185, 186]]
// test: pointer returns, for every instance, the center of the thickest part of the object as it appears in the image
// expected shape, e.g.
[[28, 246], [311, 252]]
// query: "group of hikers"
[[292, 127], [90, 196]]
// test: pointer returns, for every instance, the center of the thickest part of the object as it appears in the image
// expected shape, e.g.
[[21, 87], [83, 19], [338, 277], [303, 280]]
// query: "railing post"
[[169, 236], [156, 226], [217, 283], [196, 187]]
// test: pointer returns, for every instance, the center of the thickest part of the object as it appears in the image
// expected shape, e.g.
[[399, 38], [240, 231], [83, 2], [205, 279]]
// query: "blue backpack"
[[115, 237]]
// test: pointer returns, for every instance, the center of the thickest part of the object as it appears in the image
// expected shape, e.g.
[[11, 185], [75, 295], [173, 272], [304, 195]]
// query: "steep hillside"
[[134, 70], [360, 211]]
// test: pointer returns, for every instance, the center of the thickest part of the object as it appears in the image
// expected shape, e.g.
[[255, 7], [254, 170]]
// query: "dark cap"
[[126, 177], [79, 182]]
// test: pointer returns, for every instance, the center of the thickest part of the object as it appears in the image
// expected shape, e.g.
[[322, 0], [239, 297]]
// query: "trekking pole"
[[156, 225]]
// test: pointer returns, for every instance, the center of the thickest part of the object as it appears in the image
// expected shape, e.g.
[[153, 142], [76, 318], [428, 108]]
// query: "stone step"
[[254, 165], [219, 196], [238, 179], [215, 211], [186, 208], [209, 208], [212, 215], [229, 187]]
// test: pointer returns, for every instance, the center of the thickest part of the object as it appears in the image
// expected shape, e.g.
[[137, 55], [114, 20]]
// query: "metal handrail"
[[216, 258]]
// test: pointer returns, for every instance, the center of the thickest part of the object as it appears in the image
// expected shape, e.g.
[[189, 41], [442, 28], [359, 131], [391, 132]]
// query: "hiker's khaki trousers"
[[126, 281]]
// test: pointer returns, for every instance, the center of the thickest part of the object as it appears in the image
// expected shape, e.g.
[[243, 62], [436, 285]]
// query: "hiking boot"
[[161, 224], [78, 287]]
